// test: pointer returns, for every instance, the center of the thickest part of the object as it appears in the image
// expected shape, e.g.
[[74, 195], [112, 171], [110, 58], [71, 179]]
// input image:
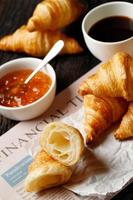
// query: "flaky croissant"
[[37, 43], [100, 114], [52, 15], [113, 79], [125, 129], [64, 143], [45, 172]]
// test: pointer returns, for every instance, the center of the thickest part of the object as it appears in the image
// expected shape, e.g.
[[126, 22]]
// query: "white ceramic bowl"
[[36, 108], [105, 50]]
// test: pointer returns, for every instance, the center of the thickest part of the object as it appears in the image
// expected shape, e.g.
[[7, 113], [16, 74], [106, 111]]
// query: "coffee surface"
[[112, 29]]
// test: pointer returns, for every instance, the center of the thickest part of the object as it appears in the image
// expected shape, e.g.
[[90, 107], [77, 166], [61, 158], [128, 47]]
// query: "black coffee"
[[112, 29]]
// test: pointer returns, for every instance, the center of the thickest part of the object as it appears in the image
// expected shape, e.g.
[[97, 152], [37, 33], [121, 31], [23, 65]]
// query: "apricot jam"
[[14, 93]]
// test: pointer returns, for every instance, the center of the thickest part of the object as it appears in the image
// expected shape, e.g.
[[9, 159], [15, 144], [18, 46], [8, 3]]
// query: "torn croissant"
[[64, 143], [125, 129], [37, 43], [45, 172], [100, 114], [52, 15], [113, 79]]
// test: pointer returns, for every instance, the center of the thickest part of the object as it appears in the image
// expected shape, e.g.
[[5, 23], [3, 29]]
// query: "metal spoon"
[[51, 54]]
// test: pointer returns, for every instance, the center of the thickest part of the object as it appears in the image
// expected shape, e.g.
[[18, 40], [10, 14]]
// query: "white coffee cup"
[[104, 50]]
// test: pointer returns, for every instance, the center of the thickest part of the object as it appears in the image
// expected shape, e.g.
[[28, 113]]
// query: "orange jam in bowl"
[[14, 93]]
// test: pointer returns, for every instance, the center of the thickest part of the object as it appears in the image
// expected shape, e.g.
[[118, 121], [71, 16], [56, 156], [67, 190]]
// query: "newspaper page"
[[14, 159], [100, 174]]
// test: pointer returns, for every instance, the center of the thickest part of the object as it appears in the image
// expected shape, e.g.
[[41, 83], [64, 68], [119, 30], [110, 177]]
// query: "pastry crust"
[[45, 172], [64, 143], [113, 79], [52, 15], [100, 114], [37, 43], [125, 129]]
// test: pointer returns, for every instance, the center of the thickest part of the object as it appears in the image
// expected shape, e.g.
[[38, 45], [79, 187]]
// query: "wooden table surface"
[[14, 13]]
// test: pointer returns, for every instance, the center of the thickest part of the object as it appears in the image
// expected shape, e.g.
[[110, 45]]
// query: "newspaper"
[[14, 157]]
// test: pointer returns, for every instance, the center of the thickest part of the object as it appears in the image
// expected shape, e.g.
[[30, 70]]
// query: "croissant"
[[100, 114], [52, 15], [37, 43], [125, 129], [113, 79], [44, 172], [62, 142]]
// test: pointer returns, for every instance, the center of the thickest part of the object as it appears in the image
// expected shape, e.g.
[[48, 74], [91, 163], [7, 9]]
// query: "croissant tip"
[[118, 136], [80, 92], [89, 140], [121, 53], [122, 57], [30, 26]]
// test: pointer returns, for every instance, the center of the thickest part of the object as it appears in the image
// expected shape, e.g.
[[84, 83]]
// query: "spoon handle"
[[51, 54]]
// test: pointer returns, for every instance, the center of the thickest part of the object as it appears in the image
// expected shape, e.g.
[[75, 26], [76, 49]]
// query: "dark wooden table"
[[14, 13]]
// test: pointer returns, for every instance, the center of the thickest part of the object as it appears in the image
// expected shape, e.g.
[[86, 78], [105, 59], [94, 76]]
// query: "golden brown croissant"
[[64, 143], [100, 114], [125, 129], [52, 15], [37, 43], [45, 172], [113, 79]]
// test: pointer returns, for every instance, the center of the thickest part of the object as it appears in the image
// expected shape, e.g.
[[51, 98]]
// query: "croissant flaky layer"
[[52, 15], [113, 79], [63, 142], [37, 43], [100, 114], [45, 172], [125, 129]]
